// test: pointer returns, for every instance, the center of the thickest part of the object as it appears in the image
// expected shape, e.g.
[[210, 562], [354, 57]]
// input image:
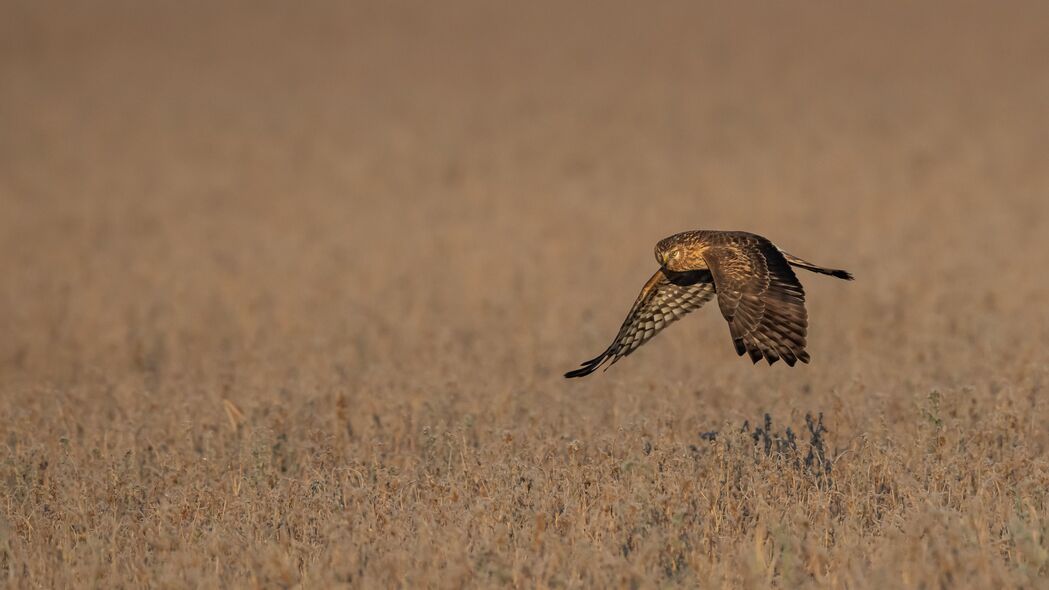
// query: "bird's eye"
[[675, 254]]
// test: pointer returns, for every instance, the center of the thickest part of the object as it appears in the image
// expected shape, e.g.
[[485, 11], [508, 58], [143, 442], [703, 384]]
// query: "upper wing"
[[760, 297], [666, 297]]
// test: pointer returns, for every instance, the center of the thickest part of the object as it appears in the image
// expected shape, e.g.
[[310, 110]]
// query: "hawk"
[[758, 293]]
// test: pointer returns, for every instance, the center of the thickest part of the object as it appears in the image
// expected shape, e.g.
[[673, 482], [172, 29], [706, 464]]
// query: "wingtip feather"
[[741, 349], [755, 355], [590, 366]]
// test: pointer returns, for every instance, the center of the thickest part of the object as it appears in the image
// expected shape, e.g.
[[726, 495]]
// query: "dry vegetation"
[[287, 293]]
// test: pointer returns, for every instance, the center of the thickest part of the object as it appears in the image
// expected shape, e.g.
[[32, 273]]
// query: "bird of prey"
[[758, 293]]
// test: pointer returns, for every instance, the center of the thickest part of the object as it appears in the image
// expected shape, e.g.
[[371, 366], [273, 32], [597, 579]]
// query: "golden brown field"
[[288, 289]]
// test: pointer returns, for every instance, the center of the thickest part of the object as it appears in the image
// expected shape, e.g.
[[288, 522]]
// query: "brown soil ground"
[[288, 289]]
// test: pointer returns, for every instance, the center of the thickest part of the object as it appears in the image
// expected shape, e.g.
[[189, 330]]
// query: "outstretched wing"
[[760, 297], [665, 298]]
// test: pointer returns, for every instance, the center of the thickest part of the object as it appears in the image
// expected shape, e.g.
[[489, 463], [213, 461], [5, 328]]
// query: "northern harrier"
[[758, 293]]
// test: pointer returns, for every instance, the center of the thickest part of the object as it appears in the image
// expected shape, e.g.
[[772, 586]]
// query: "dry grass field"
[[287, 290]]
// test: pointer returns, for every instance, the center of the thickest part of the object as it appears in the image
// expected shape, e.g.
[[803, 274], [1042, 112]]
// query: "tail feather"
[[834, 272]]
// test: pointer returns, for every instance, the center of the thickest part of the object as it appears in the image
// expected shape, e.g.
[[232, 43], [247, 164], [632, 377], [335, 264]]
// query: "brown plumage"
[[758, 293]]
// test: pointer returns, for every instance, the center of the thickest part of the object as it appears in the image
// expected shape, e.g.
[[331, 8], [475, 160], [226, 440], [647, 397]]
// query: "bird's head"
[[669, 255]]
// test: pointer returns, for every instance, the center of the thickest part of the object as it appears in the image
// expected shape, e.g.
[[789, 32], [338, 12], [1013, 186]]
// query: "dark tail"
[[834, 272]]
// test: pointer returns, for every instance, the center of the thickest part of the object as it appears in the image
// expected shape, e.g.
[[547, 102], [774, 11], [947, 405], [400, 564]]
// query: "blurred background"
[[350, 214], [467, 188], [392, 196]]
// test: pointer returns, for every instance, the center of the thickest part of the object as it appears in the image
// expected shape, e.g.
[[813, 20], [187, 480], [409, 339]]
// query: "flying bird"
[[758, 293]]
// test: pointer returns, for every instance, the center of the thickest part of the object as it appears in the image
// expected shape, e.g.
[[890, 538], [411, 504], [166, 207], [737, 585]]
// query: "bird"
[[757, 291]]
